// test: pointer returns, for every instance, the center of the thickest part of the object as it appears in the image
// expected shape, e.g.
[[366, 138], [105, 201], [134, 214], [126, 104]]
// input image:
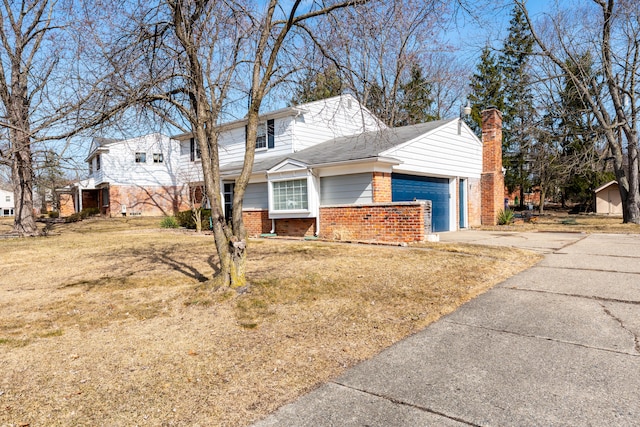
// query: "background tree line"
[[566, 82]]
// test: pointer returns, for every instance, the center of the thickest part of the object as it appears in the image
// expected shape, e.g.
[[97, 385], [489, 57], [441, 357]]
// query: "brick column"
[[381, 187], [492, 181]]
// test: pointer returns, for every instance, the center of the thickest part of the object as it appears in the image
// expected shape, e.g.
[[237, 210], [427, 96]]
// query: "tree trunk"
[[632, 207], [22, 170], [197, 218], [24, 222]]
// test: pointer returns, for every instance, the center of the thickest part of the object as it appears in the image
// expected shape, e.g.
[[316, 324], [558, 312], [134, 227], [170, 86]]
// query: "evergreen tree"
[[486, 89], [580, 135], [415, 104], [518, 112], [316, 85]]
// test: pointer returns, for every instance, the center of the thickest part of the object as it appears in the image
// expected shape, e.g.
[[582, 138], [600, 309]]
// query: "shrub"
[[169, 222], [74, 217], [91, 211], [185, 219], [54, 214], [505, 217]]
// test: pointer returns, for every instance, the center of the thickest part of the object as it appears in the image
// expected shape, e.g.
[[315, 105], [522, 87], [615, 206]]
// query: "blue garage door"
[[405, 188]]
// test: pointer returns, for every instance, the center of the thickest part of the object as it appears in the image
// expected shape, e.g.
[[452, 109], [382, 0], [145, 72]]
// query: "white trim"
[[603, 186], [464, 199], [313, 202], [453, 204]]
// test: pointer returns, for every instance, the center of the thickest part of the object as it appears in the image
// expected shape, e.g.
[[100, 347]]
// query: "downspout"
[[317, 189], [273, 226]]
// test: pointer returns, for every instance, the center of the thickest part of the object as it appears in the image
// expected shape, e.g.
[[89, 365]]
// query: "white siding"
[[118, 165], [441, 153], [331, 118], [5, 204], [321, 121], [256, 196], [346, 189], [232, 142]]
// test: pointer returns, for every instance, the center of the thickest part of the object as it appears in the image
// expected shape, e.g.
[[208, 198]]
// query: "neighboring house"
[[327, 168], [7, 204], [137, 176], [608, 200]]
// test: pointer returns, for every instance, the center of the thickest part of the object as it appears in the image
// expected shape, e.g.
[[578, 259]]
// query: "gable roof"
[[603, 186], [368, 145], [363, 146], [290, 111]]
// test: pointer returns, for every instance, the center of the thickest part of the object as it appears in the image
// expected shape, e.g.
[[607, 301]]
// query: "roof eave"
[[277, 114], [603, 186]]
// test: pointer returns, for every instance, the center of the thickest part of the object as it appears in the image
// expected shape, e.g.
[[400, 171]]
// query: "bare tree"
[[609, 31], [46, 92], [379, 45], [196, 55]]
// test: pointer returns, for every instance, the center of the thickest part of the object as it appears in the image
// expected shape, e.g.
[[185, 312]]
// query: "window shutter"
[[192, 149], [245, 135], [270, 134]]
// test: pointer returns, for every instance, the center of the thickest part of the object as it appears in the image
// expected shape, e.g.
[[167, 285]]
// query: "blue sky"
[[490, 23]]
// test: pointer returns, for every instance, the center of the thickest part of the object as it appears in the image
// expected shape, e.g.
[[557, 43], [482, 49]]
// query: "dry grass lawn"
[[585, 223], [110, 322]]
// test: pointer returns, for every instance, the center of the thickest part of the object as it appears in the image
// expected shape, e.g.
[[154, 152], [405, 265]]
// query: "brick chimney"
[[492, 181]]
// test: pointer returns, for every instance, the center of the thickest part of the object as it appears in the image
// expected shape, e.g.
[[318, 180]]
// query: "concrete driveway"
[[555, 345]]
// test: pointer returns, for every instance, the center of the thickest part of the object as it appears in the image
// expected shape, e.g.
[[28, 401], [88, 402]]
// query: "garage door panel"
[[405, 188]]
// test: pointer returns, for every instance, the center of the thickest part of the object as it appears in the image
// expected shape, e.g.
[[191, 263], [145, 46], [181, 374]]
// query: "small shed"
[[608, 200]]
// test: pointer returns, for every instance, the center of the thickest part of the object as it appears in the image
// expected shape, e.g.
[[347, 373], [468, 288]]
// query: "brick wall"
[[492, 180], [383, 222], [295, 227], [147, 201], [256, 222], [475, 202], [381, 185], [67, 206]]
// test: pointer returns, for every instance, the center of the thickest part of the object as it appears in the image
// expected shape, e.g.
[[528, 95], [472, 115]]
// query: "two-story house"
[[328, 168], [7, 204], [137, 176]]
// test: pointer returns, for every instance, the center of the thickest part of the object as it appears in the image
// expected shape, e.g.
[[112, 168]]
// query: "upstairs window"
[[141, 157], [194, 150], [265, 138], [158, 158], [261, 136], [98, 162], [8, 199]]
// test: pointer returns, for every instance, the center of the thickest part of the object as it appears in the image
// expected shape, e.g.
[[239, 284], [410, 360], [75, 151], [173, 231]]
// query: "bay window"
[[290, 195], [293, 191]]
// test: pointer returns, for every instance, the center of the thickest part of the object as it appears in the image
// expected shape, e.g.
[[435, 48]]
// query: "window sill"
[[293, 213]]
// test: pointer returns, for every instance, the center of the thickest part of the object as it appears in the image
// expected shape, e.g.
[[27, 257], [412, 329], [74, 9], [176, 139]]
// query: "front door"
[[228, 199]]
